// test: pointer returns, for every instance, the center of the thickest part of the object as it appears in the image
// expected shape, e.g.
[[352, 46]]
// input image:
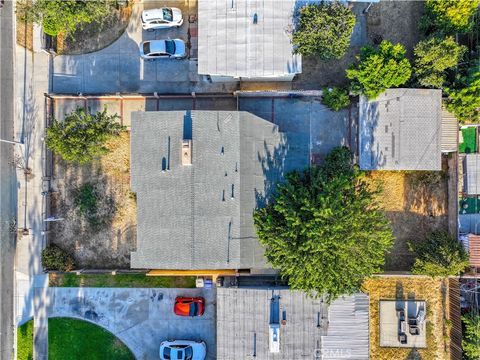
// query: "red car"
[[189, 306]]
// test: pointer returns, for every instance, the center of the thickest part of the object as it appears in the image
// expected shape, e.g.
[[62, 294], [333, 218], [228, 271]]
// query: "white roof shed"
[[248, 39]]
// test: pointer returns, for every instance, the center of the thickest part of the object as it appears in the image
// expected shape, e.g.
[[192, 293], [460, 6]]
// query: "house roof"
[[311, 328], [401, 130], [449, 132], [199, 216], [230, 43], [472, 174]]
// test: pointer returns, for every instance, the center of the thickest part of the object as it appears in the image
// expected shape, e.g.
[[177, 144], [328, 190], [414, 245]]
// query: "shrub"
[[448, 16], [439, 255], [54, 258], [379, 68], [433, 57], [471, 338], [335, 98], [86, 200], [324, 30], [82, 136], [323, 228]]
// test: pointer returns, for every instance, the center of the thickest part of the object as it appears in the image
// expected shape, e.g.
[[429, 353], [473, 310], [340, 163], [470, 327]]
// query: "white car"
[[163, 18], [158, 49], [183, 350]]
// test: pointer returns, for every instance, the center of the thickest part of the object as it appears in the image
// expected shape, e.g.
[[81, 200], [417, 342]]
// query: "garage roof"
[[246, 38]]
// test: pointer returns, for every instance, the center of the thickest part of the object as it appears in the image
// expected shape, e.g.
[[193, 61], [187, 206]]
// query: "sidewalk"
[[32, 79]]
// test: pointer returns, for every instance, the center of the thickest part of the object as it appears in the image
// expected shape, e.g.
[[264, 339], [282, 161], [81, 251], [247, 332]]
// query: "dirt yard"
[[108, 241], [416, 204], [420, 288]]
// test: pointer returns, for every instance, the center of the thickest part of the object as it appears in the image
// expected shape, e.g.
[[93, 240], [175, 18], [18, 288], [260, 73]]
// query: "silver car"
[[162, 18], [183, 350], [158, 49]]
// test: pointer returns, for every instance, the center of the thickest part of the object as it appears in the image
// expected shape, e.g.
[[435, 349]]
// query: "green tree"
[[54, 258], [324, 30], [433, 57], [379, 68], [335, 98], [439, 255], [64, 16], [471, 338], [323, 228], [81, 136], [464, 101], [448, 16]]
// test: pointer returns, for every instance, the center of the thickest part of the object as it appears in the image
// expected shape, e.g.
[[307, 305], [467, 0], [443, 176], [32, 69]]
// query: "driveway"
[[118, 67], [141, 318]]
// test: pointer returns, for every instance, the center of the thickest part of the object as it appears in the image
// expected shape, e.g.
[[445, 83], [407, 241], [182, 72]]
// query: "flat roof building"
[[248, 40], [402, 130], [284, 324], [198, 176]]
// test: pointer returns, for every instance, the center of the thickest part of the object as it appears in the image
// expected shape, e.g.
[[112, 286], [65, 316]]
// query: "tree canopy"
[[471, 337], [335, 98], [81, 136], [64, 16], [379, 68], [449, 16], [324, 30], [323, 228], [433, 57], [439, 255], [464, 100]]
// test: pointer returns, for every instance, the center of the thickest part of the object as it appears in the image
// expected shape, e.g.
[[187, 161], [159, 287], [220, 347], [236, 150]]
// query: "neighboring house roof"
[[312, 328], [472, 174], [450, 132], [401, 130], [469, 223], [199, 216], [474, 249], [230, 43]]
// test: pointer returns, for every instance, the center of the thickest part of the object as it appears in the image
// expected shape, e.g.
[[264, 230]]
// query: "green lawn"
[[25, 341], [469, 144], [72, 339], [121, 280]]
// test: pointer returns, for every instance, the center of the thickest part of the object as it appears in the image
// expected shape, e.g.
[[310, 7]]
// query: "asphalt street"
[[8, 197]]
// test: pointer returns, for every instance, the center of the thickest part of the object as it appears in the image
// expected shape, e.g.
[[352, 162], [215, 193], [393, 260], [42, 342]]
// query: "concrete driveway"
[[141, 318], [119, 68]]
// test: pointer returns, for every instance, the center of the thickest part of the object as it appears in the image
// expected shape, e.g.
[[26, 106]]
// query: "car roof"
[[153, 14], [157, 46]]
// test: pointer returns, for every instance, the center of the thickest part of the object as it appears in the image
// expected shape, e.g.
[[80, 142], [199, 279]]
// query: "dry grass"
[[109, 244], [24, 30], [416, 204], [421, 288]]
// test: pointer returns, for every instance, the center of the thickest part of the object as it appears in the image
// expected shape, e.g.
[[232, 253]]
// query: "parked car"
[[162, 18], [157, 49], [189, 306], [183, 350]]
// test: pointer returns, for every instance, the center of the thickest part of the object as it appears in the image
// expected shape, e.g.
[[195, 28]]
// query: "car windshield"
[[193, 309], [170, 47], [166, 353], [167, 14], [188, 353], [146, 48]]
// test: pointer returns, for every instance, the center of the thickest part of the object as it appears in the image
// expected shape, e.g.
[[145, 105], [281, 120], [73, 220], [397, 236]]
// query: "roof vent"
[[186, 152]]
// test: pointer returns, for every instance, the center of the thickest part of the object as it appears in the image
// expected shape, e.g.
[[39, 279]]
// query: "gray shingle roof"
[[338, 331], [472, 174], [401, 130], [186, 215], [231, 44]]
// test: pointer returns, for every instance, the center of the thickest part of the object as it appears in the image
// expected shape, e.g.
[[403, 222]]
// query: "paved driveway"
[[141, 318], [118, 67]]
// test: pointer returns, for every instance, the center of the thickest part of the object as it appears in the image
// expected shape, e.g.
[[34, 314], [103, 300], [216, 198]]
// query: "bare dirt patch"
[[416, 203], [107, 242], [97, 35], [420, 288], [24, 30]]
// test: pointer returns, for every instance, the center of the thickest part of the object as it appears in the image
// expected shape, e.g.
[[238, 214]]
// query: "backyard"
[[416, 204], [424, 289], [103, 235]]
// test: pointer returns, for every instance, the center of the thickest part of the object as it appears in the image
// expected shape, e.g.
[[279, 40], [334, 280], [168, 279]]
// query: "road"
[[8, 197]]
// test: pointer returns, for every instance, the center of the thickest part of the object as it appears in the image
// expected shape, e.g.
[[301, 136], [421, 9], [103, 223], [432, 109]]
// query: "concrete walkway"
[[119, 68], [141, 318], [32, 81]]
